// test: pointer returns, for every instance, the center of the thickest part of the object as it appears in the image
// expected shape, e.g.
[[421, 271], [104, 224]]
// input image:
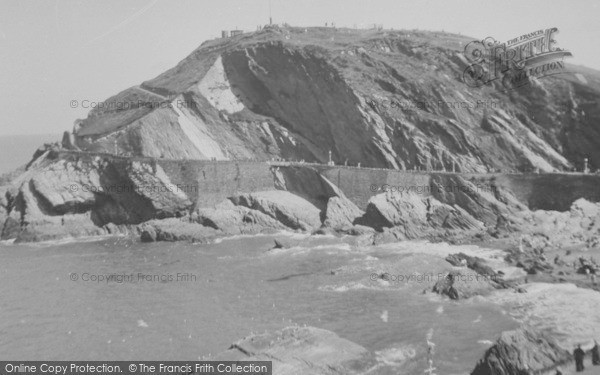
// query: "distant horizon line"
[[32, 134]]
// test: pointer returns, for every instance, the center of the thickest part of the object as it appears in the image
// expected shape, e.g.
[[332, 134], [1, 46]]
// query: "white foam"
[[333, 249], [351, 286], [294, 235], [384, 316], [493, 257], [395, 356], [70, 240]]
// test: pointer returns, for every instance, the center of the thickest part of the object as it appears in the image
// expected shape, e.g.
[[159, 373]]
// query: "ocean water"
[[18, 150], [53, 308]]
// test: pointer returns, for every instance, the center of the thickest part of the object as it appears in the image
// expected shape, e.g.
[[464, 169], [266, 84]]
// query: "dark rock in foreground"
[[522, 352], [307, 350]]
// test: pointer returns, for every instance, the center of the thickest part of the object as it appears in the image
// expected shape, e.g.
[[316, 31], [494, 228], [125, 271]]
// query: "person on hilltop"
[[596, 354], [579, 354]]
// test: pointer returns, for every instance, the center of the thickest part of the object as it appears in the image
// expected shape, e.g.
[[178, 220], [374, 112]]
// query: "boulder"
[[174, 229], [476, 264], [413, 216], [362, 236], [358, 230], [524, 351], [443, 216], [285, 207], [476, 201], [73, 195], [307, 183], [148, 234], [10, 228], [302, 350], [233, 219], [284, 243], [58, 227], [463, 284], [394, 209], [389, 235], [341, 213]]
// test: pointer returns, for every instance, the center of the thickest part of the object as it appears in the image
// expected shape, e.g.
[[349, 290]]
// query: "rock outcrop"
[[302, 350], [232, 219], [285, 207], [524, 352], [73, 194], [78, 196], [579, 225], [464, 284], [341, 213], [174, 229], [476, 264], [412, 215]]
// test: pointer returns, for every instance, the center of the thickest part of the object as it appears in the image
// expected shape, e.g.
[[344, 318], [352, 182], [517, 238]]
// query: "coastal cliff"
[[392, 99], [370, 136], [73, 194], [214, 129]]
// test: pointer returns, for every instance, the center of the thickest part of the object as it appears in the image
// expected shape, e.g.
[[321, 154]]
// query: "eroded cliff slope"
[[380, 98]]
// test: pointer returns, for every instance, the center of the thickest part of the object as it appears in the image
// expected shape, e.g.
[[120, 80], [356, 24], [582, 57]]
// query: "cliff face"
[[61, 196], [66, 193], [379, 98]]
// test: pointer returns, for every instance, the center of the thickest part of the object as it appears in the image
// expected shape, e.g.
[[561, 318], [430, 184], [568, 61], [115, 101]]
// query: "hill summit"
[[381, 98]]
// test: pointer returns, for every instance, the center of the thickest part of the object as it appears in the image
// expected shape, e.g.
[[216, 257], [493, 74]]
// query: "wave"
[[342, 247], [286, 233], [73, 240], [396, 356]]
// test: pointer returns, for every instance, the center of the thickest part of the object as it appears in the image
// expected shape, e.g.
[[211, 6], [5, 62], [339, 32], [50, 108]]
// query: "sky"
[[54, 52]]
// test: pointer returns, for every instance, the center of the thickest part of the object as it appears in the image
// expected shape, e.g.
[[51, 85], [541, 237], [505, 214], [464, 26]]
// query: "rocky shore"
[[302, 350], [196, 153], [60, 197]]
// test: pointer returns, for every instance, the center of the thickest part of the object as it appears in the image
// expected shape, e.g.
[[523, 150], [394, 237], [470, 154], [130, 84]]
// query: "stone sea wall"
[[209, 182], [545, 191]]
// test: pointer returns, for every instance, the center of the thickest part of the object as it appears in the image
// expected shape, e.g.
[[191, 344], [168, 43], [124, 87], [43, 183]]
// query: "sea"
[[18, 150], [114, 298]]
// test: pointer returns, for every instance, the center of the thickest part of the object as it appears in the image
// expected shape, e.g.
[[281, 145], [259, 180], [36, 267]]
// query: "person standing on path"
[[579, 354]]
